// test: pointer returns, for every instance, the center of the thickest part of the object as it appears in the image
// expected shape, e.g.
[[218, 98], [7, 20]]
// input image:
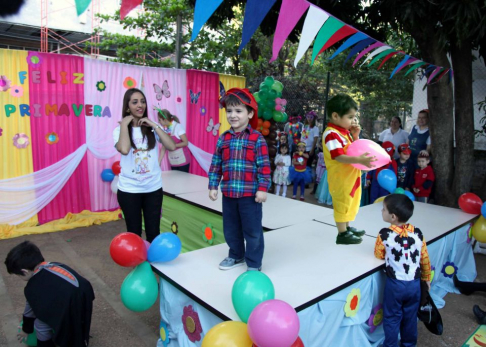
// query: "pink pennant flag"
[[127, 6], [290, 13], [363, 52], [435, 72], [313, 22]]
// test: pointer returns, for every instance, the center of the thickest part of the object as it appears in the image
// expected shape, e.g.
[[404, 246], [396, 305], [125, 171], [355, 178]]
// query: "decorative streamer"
[[373, 46], [81, 6], [363, 44], [388, 57], [290, 13], [313, 21], [328, 29], [381, 55], [255, 12], [203, 11], [405, 61], [127, 6], [342, 33], [359, 36], [416, 66]]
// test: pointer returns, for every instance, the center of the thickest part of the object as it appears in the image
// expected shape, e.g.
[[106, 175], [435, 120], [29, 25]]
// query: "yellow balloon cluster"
[[479, 229], [228, 334]]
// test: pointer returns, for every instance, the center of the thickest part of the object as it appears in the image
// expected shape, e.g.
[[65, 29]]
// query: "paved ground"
[[86, 250]]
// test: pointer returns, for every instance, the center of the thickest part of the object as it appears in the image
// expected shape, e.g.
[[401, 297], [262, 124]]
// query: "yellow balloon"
[[228, 334], [479, 230], [380, 199]]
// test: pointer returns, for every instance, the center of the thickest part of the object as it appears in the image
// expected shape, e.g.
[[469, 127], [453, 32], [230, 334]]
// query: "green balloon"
[[249, 290], [279, 94], [270, 104], [269, 81], [256, 96], [278, 116], [263, 95], [267, 114], [139, 290], [399, 191], [264, 87], [272, 94], [278, 86], [31, 338]]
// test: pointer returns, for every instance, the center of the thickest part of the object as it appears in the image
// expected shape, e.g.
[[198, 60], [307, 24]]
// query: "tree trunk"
[[461, 57]]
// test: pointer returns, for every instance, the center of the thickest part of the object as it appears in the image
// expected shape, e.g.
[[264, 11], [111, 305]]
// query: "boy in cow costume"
[[407, 263]]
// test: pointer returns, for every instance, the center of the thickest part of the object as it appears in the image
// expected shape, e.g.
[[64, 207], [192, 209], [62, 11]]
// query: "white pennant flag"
[[315, 19], [375, 52]]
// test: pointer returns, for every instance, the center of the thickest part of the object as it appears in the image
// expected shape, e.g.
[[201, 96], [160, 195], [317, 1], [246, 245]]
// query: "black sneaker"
[[356, 231], [229, 263], [480, 314], [348, 238]]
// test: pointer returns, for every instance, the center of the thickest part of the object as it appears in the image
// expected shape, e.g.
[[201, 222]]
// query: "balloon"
[[128, 249], [270, 104], [267, 114], [399, 191], [284, 102], [107, 175], [360, 147], [260, 123], [470, 203], [298, 343], [279, 94], [114, 185], [410, 195], [263, 95], [165, 247], [265, 131], [31, 338], [278, 100], [278, 86], [278, 107], [269, 81], [116, 168], [273, 323], [479, 230], [272, 95], [387, 180], [139, 290], [380, 199], [264, 88], [483, 210], [266, 124], [278, 116], [227, 334], [256, 96]]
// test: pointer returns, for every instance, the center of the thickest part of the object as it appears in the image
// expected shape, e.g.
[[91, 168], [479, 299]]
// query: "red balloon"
[[128, 249], [266, 124], [265, 131], [297, 343], [116, 168], [470, 203]]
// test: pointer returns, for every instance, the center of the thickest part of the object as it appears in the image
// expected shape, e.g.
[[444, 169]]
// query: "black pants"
[[184, 168], [133, 204]]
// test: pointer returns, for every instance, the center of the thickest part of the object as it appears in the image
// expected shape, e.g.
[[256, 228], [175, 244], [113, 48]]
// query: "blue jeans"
[[400, 307], [421, 199], [242, 220]]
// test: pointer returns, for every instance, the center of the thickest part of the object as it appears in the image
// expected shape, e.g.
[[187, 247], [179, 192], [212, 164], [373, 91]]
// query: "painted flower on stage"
[[191, 323], [164, 334], [34, 59], [4, 83], [469, 234], [449, 269], [21, 140], [352, 303], [175, 228], [208, 233], [376, 318], [203, 111], [52, 138], [179, 99], [16, 91], [129, 82], [432, 273], [101, 86]]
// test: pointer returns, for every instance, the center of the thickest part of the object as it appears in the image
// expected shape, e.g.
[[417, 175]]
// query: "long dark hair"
[[146, 131], [398, 119]]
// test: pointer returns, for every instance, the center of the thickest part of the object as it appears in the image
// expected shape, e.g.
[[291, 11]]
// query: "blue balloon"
[[165, 247], [107, 175], [387, 180], [410, 195], [483, 209]]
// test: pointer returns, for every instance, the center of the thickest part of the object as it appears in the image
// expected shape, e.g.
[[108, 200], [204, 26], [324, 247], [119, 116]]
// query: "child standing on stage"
[[281, 174], [241, 160], [300, 174], [343, 178], [407, 262], [423, 179]]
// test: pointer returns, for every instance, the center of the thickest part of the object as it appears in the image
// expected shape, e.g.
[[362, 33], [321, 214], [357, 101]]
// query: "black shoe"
[[462, 286], [480, 314], [356, 231], [348, 238]]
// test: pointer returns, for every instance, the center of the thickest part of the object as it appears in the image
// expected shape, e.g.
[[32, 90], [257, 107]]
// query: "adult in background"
[[419, 138], [140, 179], [293, 129], [395, 134], [310, 135]]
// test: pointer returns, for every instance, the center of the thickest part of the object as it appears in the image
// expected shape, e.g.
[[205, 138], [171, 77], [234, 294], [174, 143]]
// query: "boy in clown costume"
[[343, 178]]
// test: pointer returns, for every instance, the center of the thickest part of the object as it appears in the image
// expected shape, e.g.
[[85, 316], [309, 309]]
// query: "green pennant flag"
[[328, 29], [81, 6]]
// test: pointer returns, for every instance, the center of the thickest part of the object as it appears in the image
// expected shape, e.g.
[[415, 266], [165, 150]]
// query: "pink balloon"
[[147, 244], [278, 100], [273, 323], [360, 147], [278, 107], [283, 102]]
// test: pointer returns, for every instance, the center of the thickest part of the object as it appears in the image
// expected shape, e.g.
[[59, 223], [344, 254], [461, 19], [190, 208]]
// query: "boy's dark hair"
[[282, 146], [400, 205], [23, 256], [232, 100], [340, 104]]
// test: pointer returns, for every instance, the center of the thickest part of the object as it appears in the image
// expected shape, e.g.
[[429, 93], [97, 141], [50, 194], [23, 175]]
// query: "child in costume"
[[343, 178], [59, 302], [423, 178], [294, 130], [281, 174], [300, 174], [407, 262], [241, 161], [376, 191], [405, 167], [282, 140]]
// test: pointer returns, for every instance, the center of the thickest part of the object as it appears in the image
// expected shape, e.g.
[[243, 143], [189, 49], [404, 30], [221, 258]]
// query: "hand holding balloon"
[[366, 159]]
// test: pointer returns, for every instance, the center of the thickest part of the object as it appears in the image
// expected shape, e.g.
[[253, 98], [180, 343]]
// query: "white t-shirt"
[[308, 136], [140, 170], [176, 129], [401, 136]]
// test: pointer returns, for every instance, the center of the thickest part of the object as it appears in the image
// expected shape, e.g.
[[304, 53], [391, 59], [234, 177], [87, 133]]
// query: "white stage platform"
[[178, 182]]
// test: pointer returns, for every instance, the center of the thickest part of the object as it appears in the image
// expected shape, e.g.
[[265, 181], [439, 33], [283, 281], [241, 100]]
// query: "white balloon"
[[114, 185]]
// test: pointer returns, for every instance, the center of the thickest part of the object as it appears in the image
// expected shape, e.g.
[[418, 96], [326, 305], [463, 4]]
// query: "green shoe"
[[348, 238], [356, 231]]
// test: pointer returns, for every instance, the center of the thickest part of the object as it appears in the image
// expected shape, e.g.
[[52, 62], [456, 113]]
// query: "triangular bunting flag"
[[442, 74], [360, 46], [375, 52], [127, 6], [405, 61], [363, 52], [381, 55], [345, 31], [435, 72], [328, 29], [290, 13], [359, 36], [388, 58], [313, 22], [415, 66], [81, 6], [203, 11], [255, 12]]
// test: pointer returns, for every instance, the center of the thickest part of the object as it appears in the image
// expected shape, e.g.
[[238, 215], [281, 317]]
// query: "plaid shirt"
[[241, 159]]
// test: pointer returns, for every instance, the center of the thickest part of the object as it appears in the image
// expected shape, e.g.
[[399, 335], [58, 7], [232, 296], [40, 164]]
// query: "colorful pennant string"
[[203, 10], [127, 6], [313, 22]]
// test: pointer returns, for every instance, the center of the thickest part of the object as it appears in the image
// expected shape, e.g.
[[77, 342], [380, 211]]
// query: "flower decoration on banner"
[[164, 334], [192, 324], [21, 140], [101, 86], [376, 317], [179, 99], [4, 83], [208, 233], [17, 91], [352, 302], [1, 131], [174, 228], [129, 82], [34, 59], [469, 234], [52, 138], [449, 269], [203, 111]]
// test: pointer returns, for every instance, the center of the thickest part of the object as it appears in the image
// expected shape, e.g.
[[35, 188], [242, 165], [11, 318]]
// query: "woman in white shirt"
[[140, 179], [395, 134]]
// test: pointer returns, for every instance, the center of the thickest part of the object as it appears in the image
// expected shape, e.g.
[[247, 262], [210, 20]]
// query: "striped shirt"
[[336, 139], [241, 160]]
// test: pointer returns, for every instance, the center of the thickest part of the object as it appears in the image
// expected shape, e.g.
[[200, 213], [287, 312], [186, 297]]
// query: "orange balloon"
[[265, 131], [260, 122], [266, 124]]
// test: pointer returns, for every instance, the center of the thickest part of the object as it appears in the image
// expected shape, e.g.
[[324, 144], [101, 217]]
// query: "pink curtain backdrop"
[[202, 113], [52, 82]]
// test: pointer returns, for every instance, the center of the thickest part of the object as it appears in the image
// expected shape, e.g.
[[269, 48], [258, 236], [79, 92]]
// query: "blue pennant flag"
[[359, 47], [349, 42], [255, 12], [203, 11]]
